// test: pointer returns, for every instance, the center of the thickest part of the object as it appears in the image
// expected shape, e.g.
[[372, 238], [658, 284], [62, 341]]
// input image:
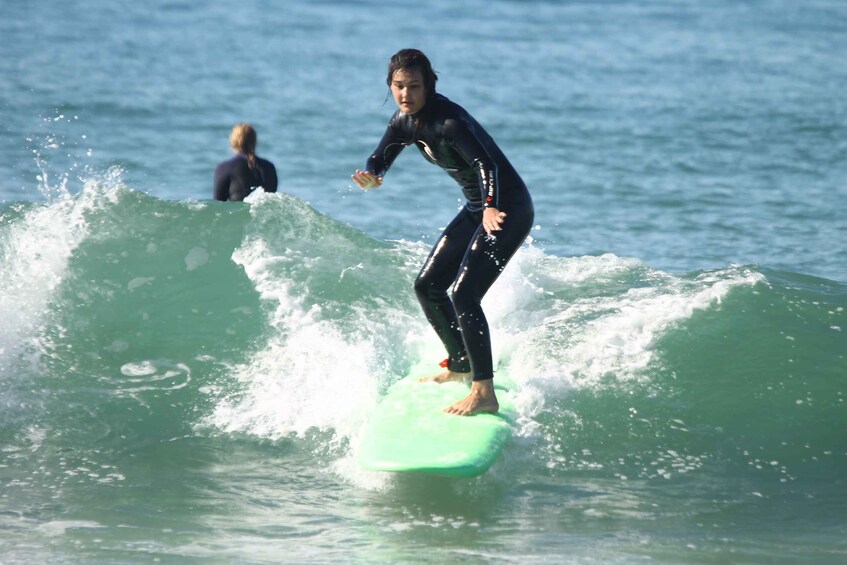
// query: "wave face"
[[147, 341]]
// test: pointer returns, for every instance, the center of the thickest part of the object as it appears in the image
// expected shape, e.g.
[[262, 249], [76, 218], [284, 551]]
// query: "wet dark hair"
[[409, 59], [412, 59]]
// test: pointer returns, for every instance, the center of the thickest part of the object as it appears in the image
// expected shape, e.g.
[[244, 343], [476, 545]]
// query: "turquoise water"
[[186, 381]]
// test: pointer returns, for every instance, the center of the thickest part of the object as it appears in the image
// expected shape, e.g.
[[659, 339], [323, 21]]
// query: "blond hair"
[[243, 140]]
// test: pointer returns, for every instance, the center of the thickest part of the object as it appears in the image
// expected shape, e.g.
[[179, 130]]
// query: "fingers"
[[366, 179], [360, 178], [493, 222]]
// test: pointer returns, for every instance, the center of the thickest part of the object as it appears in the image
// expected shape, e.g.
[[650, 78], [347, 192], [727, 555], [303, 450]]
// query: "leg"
[[485, 259], [433, 282]]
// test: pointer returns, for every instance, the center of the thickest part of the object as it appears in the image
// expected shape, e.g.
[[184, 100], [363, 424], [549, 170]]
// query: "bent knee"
[[464, 297], [426, 290], [421, 286]]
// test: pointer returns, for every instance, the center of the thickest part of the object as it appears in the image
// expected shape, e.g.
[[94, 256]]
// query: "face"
[[407, 87]]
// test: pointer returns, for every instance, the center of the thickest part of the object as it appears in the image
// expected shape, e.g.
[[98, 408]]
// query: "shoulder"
[[264, 162], [239, 162], [236, 167], [225, 167], [401, 122], [445, 109], [232, 161], [452, 117]]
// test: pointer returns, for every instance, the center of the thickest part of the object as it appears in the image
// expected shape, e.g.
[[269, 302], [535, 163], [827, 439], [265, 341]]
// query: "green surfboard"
[[409, 433]]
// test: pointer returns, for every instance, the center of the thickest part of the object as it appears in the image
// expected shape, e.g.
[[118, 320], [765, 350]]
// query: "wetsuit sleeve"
[[465, 141], [269, 178], [221, 187], [389, 147]]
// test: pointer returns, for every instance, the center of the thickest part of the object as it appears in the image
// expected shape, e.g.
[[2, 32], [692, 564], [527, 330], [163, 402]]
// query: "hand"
[[492, 220], [366, 180]]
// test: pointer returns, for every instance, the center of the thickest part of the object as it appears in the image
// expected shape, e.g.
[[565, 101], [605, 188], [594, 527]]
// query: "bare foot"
[[445, 377], [480, 400]]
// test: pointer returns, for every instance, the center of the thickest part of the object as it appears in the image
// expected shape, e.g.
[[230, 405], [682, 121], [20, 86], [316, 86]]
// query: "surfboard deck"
[[409, 432]]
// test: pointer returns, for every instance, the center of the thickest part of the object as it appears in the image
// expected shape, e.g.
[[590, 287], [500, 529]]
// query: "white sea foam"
[[611, 332], [33, 261], [315, 372], [557, 324], [34, 256]]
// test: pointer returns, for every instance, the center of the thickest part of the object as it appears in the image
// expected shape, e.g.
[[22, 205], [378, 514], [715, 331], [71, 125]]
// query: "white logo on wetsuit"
[[428, 150]]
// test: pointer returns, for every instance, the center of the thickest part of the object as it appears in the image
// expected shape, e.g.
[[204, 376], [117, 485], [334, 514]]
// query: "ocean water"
[[185, 381]]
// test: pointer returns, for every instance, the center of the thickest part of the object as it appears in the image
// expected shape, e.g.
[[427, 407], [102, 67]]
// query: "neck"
[[422, 115]]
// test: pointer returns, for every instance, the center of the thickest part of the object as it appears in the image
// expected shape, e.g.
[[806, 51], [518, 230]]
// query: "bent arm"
[[381, 159], [269, 178], [383, 156], [466, 142]]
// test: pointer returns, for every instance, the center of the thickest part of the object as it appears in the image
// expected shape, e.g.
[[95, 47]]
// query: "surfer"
[[237, 177], [474, 248]]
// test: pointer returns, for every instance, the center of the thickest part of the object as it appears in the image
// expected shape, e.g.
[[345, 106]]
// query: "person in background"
[[237, 177], [474, 248]]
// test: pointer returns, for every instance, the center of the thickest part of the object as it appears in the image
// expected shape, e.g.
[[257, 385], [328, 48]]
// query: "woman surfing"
[[474, 248]]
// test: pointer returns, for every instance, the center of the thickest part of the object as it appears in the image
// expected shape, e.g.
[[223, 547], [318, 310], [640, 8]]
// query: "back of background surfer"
[[474, 248], [237, 177]]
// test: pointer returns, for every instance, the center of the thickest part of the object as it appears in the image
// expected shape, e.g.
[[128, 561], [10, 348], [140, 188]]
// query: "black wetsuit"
[[464, 256], [234, 179]]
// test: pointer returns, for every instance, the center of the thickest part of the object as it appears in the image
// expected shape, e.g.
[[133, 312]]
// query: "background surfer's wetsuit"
[[234, 180], [464, 256]]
